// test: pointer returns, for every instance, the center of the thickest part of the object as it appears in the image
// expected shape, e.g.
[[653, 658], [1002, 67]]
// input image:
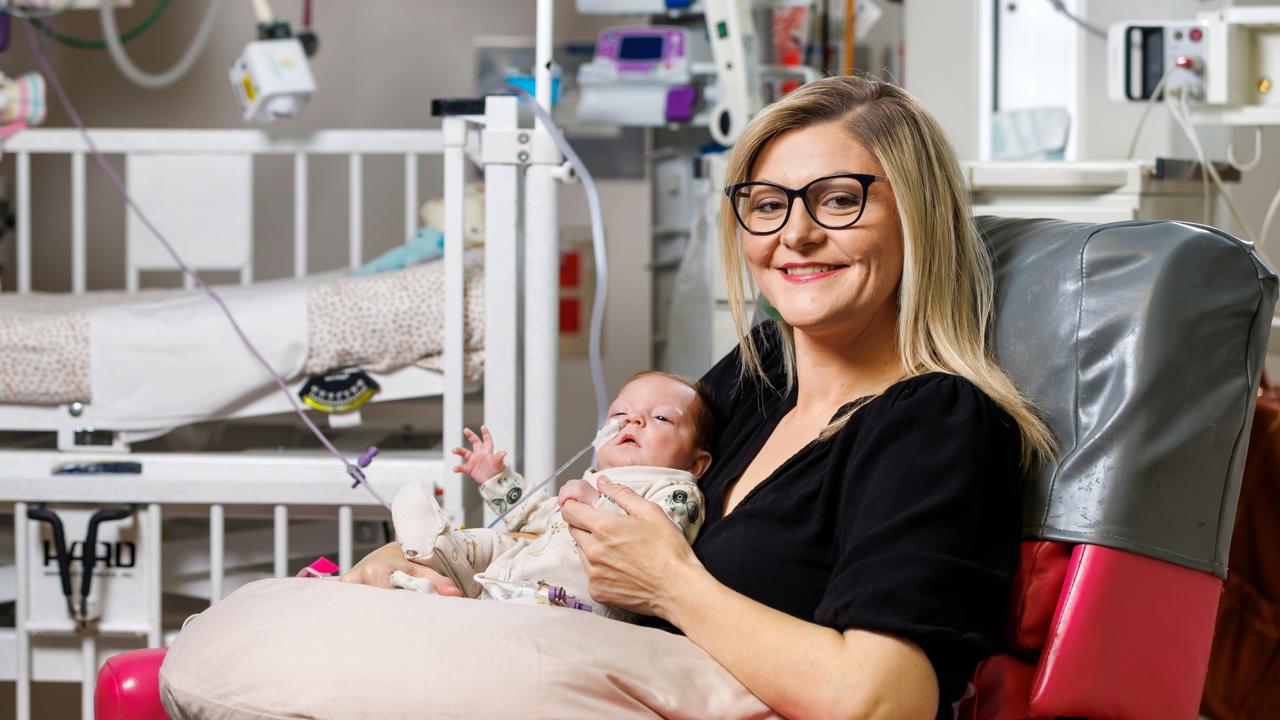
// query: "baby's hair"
[[701, 414]]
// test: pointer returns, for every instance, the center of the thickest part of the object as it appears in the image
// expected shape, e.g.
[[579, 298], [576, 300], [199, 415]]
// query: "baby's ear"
[[701, 461]]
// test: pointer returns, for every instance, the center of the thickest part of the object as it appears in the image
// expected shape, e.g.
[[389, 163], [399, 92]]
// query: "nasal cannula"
[[607, 433]]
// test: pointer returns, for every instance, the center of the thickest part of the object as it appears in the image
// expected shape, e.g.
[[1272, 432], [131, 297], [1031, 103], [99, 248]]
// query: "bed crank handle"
[[90, 556], [42, 514]]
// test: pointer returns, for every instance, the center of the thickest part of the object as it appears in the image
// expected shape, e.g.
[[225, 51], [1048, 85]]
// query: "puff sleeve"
[[927, 524]]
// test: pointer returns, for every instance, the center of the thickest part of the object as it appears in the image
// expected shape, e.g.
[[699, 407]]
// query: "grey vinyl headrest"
[[1142, 344]]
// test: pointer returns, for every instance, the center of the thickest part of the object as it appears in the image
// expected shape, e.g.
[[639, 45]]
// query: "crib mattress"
[[381, 323]]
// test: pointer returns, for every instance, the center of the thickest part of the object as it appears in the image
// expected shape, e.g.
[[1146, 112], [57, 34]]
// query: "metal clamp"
[[521, 146]]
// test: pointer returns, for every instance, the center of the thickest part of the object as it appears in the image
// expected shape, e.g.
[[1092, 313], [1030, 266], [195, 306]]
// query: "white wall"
[[941, 65]]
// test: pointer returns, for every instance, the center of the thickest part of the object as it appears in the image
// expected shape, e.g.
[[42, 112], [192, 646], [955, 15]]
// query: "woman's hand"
[[480, 462], [633, 561], [375, 569]]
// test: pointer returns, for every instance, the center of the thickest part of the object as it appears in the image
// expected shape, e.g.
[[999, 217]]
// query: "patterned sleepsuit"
[[545, 569]]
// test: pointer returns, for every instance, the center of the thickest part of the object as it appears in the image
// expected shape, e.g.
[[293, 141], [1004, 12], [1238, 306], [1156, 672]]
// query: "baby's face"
[[657, 428]]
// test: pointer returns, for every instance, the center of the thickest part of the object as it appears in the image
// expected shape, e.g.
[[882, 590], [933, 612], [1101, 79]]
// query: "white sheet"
[[157, 364]]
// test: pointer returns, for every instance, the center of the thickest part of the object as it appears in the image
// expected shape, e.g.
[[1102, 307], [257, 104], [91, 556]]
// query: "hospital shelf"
[[283, 478], [1247, 115], [409, 382]]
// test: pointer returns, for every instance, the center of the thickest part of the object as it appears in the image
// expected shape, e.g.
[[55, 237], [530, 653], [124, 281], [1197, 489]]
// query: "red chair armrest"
[[1130, 639], [1037, 585], [1001, 687]]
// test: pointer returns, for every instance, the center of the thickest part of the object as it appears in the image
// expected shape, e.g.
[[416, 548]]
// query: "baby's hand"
[[579, 490], [480, 462]]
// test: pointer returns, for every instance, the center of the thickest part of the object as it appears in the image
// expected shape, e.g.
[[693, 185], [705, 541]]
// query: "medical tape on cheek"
[[354, 470], [607, 433]]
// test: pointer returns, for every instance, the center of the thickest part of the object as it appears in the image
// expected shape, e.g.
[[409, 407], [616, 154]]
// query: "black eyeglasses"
[[835, 202]]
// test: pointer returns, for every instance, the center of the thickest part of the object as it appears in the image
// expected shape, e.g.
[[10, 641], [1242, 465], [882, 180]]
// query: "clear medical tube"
[[598, 247], [138, 76], [607, 433]]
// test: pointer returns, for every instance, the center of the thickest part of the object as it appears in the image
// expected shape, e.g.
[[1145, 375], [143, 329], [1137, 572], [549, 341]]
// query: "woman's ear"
[[701, 461]]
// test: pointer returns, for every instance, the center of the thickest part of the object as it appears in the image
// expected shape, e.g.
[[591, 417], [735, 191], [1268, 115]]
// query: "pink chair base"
[[1130, 639], [129, 687]]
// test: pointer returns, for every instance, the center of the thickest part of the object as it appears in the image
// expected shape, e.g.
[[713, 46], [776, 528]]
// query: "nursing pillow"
[[324, 649]]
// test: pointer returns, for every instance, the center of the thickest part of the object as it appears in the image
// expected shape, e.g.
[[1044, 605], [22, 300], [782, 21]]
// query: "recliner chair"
[[1142, 343]]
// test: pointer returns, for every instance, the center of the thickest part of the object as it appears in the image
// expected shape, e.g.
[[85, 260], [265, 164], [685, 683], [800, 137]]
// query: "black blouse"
[[905, 522]]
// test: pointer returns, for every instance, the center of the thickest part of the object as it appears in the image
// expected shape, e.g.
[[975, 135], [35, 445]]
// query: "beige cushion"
[[323, 649]]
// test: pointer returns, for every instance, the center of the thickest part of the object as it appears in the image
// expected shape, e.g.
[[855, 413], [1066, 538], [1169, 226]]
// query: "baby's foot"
[[405, 581], [418, 520]]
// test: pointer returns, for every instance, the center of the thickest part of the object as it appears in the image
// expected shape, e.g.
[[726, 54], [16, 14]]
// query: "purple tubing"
[[557, 595]]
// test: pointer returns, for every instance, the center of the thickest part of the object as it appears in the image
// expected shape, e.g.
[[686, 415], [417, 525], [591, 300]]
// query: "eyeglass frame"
[[802, 193]]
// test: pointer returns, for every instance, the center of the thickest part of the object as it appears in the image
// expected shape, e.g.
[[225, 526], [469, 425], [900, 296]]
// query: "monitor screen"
[[644, 47]]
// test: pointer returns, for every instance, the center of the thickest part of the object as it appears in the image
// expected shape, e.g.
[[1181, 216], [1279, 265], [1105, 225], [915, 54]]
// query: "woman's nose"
[[800, 230]]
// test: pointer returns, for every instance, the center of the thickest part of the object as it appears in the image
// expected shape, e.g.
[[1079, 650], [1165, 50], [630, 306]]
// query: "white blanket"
[[172, 362], [157, 359]]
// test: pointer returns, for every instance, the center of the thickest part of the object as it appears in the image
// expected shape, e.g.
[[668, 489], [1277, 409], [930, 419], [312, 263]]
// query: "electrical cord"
[[138, 76], [1257, 153], [1178, 111], [1266, 222], [1184, 121], [1088, 27], [1206, 214], [10, 9], [95, 44], [1208, 172], [598, 244], [1146, 110]]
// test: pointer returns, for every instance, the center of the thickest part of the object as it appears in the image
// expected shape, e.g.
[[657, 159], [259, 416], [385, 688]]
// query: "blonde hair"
[[945, 297]]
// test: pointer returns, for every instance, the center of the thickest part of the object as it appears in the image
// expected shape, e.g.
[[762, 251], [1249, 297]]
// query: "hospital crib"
[[262, 507]]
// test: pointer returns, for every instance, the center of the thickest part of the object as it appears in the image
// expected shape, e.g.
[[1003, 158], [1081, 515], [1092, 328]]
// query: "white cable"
[[607, 433], [1146, 110], [1266, 222], [1091, 29], [598, 245], [1206, 214], [1184, 120], [140, 77], [1257, 152]]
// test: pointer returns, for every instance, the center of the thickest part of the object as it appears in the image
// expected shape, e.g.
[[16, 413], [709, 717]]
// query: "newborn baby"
[[660, 451]]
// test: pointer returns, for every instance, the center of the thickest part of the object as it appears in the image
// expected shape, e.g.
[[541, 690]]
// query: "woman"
[[863, 505]]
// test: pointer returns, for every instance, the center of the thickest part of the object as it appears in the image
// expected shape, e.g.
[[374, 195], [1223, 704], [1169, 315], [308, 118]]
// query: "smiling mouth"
[[808, 273]]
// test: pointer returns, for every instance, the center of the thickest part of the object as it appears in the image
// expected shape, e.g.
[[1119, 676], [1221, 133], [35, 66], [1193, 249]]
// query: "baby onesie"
[[544, 570]]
